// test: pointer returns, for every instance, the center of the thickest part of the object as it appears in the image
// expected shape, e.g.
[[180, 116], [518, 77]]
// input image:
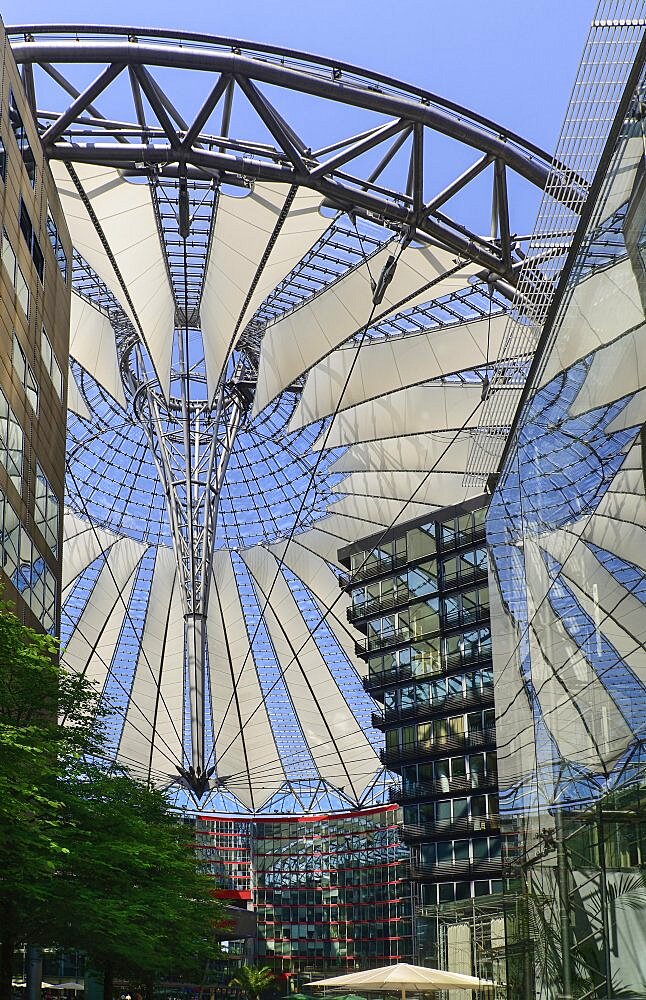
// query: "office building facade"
[[420, 598], [329, 892], [34, 340]]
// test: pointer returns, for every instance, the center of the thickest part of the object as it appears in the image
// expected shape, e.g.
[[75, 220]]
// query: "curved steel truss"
[[226, 181]]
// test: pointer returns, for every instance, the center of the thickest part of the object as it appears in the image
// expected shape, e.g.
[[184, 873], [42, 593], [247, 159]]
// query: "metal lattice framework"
[[130, 137]]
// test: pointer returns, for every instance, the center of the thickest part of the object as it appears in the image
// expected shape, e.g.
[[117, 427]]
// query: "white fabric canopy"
[[93, 345], [245, 748], [342, 754], [411, 411], [125, 212], [298, 340], [381, 367], [151, 739], [234, 286], [404, 977]]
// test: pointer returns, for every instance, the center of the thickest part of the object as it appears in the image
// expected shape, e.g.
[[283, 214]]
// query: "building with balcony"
[[420, 599]]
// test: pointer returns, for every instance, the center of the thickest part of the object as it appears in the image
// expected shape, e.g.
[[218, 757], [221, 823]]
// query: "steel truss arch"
[[172, 146]]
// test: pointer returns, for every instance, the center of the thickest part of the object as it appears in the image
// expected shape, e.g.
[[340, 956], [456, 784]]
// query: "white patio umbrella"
[[403, 977]]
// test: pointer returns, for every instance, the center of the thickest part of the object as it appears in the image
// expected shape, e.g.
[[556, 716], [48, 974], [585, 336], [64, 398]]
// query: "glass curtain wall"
[[567, 537]]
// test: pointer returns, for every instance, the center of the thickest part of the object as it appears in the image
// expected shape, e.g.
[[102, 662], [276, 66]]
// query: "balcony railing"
[[417, 791], [378, 604], [371, 569], [450, 703], [451, 663], [376, 642], [449, 870], [450, 744], [414, 833]]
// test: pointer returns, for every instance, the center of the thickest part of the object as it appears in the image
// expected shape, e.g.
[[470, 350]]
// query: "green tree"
[[253, 980], [130, 887], [33, 689], [89, 857]]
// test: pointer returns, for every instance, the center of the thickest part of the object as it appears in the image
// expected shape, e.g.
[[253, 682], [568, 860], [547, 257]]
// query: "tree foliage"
[[253, 980], [89, 857]]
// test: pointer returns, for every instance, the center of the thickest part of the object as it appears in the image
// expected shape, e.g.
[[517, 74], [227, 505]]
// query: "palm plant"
[[252, 980]]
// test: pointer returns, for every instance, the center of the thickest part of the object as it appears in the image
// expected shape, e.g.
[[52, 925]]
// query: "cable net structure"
[[290, 283]]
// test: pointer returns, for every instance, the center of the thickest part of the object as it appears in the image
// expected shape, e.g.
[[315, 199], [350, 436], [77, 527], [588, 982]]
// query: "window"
[[25, 374], [31, 240], [3, 160], [51, 364], [20, 135], [25, 567], [15, 274], [11, 442], [46, 510], [57, 246]]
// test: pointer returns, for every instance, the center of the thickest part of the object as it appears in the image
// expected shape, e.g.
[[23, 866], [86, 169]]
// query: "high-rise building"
[[420, 596], [329, 892], [34, 332]]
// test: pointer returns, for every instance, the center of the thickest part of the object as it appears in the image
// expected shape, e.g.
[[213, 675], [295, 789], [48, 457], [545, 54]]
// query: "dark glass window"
[[18, 129]]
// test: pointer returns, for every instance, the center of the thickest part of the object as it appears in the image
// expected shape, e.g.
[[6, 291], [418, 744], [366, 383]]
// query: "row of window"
[[20, 135], [46, 503], [433, 656], [471, 808], [427, 694], [323, 898], [451, 892], [393, 948], [27, 230], [420, 581], [24, 218], [14, 271], [455, 852], [427, 616], [11, 442], [366, 911], [474, 769], [418, 543], [26, 568], [437, 732]]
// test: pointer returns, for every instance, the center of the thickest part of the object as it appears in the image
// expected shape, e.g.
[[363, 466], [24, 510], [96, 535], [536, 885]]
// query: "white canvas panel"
[[245, 747], [243, 230], [75, 401], [444, 452], [90, 647], [353, 375], [151, 737], [626, 359], [420, 489], [321, 542], [379, 510], [622, 178], [93, 345], [127, 217], [82, 544], [295, 342], [514, 718], [341, 752], [618, 616], [410, 411], [324, 586], [602, 307]]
